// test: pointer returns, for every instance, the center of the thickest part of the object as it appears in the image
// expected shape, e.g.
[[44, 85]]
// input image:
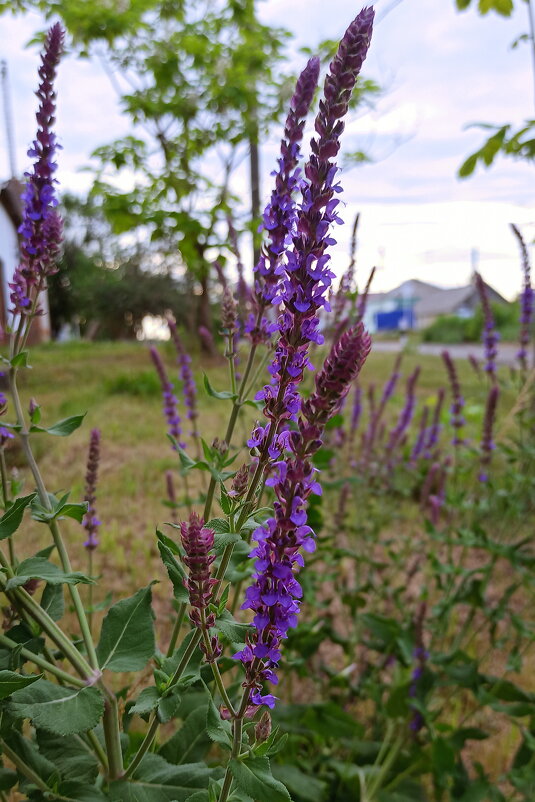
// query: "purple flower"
[[41, 228], [91, 522], [188, 382], [527, 299], [397, 434], [457, 405], [419, 444], [198, 541], [376, 413], [433, 433], [490, 335], [275, 594], [487, 441], [170, 402]]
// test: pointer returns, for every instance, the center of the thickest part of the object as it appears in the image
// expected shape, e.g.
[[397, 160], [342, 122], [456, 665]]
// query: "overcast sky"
[[440, 70]]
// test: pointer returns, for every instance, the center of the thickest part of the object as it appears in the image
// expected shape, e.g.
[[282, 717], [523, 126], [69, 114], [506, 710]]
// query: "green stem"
[[6, 499], [98, 749], [213, 664], [236, 744], [90, 590], [53, 525], [176, 629], [112, 733], [42, 663], [153, 721], [24, 768]]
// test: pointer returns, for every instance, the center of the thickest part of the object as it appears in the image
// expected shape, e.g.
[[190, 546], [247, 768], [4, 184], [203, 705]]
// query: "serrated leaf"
[[175, 572], [127, 636], [12, 518], [37, 568], [63, 428], [221, 541], [156, 780], [53, 602], [10, 682], [219, 525], [190, 742], [224, 395], [168, 705], [254, 776], [218, 730], [146, 702], [73, 756], [233, 630], [57, 708]]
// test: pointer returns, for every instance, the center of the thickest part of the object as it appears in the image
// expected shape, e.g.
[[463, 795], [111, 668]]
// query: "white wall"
[[9, 255]]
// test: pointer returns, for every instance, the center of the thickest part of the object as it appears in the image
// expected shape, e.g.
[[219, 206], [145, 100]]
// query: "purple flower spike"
[[363, 297], [433, 433], [198, 542], [91, 522], [487, 442], [41, 228], [189, 387], [170, 402], [527, 299], [457, 404], [275, 593], [490, 335]]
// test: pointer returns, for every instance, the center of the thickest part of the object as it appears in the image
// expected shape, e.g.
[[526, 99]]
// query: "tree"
[[105, 287], [504, 139]]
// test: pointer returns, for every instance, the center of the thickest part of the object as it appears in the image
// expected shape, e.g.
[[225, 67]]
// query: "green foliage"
[[127, 637], [58, 709], [451, 330], [10, 681], [156, 780], [503, 7]]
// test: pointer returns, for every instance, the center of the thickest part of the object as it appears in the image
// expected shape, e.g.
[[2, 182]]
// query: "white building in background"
[[10, 220]]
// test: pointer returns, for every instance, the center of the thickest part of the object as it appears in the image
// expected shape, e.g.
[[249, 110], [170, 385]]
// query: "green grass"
[[115, 385]]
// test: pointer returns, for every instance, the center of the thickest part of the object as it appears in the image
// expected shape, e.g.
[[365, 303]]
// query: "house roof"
[[10, 198], [430, 300]]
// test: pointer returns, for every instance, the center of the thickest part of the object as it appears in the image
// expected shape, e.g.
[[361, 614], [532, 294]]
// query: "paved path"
[[506, 351]]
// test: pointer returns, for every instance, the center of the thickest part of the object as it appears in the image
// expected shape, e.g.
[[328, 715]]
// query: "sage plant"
[[199, 554]]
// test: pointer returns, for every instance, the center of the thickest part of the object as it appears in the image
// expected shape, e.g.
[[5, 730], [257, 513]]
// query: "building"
[[10, 220], [416, 304]]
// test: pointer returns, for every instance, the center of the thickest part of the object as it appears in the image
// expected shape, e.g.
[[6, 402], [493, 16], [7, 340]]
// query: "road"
[[506, 351]]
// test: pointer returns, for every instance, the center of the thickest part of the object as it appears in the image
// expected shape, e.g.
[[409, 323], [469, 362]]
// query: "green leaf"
[[175, 571], [37, 568], [299, 783], [11, 519], [57, 708], [20, 360], [253, 776], [191, 742], [53, 602], [218, 730], [169, 704], [233, 630], [73, 756], [156, 780], [10, 681], [219, 525], [8, 779], [127, 636], [63, 428], [146, 702], [224, 395]]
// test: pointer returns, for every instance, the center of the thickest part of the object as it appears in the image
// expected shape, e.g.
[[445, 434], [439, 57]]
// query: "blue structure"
[[396, 320]]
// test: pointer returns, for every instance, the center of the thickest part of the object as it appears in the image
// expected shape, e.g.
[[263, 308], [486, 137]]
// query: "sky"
[[440, 70]]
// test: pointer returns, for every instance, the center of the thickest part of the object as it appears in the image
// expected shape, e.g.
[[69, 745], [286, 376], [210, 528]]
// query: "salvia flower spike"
[[170, 403], [41, 228], [490, 335], [487, 437], [189, 387], [457, 405], [275, 592], [91, 522], [527, 302]]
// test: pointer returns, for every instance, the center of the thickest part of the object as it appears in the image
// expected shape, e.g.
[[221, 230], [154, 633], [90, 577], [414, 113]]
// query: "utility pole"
[[8, 119]]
